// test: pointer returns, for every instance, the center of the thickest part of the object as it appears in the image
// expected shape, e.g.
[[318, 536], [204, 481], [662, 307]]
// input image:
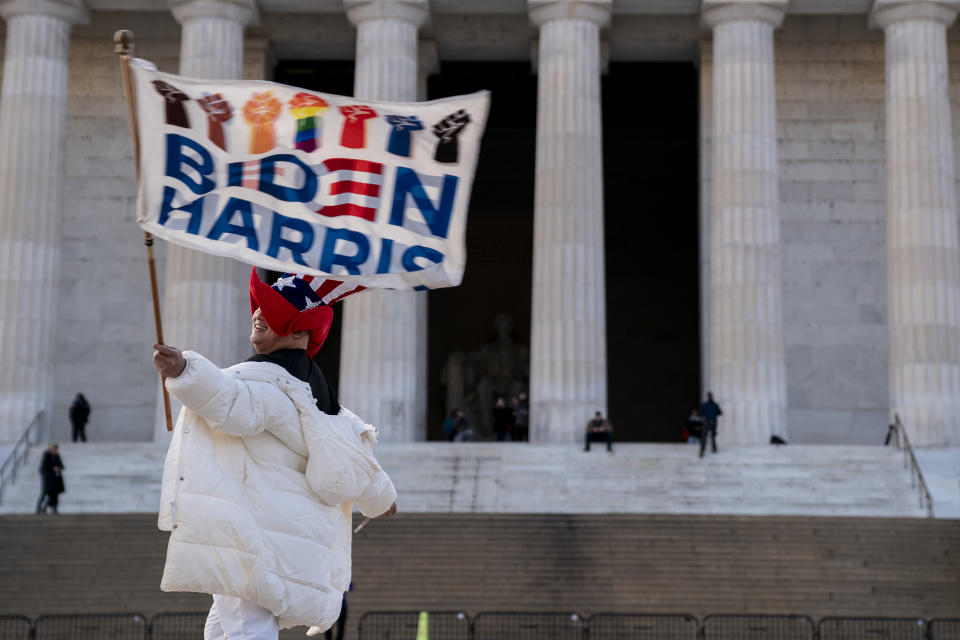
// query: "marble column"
[[33, 114], [568, 358], [383, 344], [206, 305], [923, 255], [746, 357], [428, 63]]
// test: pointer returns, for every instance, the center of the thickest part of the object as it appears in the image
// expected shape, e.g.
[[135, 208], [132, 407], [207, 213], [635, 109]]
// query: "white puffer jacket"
[[258, 490]]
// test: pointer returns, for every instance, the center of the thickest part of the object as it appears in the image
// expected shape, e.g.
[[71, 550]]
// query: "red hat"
[[298, 302]]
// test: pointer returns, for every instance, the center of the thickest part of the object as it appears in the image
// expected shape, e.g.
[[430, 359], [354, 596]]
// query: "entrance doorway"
[[651, 187], [651, 232], [496, 284]]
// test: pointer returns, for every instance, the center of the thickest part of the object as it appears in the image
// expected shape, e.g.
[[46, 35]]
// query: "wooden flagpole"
[[123, 46]]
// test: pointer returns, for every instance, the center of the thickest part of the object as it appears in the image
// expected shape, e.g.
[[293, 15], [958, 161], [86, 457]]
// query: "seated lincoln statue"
[[474, 380]]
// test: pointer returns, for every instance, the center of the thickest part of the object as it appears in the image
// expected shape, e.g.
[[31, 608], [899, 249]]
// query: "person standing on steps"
[[51, 472], [502, 419], [710, 411], [79, 413], [521, 418], [263, 471]]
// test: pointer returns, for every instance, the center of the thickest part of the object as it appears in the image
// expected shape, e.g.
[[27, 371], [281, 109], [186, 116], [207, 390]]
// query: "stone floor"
[[525, 478]]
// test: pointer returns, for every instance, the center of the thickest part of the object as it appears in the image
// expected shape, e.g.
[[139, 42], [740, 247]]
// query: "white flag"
[[373, 193]]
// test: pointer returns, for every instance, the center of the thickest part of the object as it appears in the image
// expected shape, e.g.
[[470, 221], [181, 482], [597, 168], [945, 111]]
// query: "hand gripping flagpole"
[[123, 47]]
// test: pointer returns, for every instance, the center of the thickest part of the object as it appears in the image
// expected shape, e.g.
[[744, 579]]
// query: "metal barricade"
[[14, 628], [840, 628], [177, 626], [528, 626], [411, 625], [757, 627], [115, 626], [629, 626], [944, 629]]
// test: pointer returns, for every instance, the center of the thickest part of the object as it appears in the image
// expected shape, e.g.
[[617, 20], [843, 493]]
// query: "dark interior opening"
[[651, 187], [499, 225], [651, 232]]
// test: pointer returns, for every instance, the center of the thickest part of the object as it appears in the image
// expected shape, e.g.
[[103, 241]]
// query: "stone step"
[[535, 562], [542, 478]]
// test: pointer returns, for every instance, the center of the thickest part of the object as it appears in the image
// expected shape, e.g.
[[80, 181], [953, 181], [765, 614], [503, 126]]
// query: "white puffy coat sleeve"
[[342, 468], [228, 404]]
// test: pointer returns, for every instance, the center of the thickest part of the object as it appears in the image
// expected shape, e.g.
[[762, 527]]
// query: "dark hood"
[[300, 366]]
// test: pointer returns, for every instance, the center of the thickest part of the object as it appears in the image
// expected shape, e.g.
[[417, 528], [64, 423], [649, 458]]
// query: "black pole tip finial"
[[123, 42]]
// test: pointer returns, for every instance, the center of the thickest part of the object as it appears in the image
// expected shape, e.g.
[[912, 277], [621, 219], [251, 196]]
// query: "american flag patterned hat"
[[307, 292], [299, 302]]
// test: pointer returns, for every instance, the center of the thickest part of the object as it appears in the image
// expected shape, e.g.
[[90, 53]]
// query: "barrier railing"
[[757, 627], [177, 626], [867, 628], [400, 625], [15, 627], [32, 435], [636, 626], [458, 625], [528, 626], [910, 461], [943, 629], [116, 626]]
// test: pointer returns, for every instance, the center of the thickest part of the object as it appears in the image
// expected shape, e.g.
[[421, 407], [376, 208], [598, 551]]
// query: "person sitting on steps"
[[599, 429]]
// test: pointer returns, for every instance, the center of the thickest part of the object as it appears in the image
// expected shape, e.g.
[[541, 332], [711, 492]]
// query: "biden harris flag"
[[373, 193]]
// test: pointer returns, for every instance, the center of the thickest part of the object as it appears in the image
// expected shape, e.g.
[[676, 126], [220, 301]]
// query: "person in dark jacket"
[[694, 428], [51, 471], [599, 429], [502, 419], [79, 413], [450, 426], [521, 419], [709, 412]]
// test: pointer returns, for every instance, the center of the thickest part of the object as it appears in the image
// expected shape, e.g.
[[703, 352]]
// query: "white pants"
[[232, 618]]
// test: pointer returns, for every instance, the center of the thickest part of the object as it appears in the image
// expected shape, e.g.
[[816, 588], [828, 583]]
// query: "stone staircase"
[[540, 478], [588, 563], [119, 477]]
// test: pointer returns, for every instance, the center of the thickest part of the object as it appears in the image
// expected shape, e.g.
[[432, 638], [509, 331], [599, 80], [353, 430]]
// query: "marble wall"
[[830, 113], [105, 323], [830, 102], [830, 92]]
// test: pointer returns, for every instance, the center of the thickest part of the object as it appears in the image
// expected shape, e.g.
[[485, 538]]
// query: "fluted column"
[[923, 255], [568, 358], [33, 110], [746, 369], [383, 344], [205, 304]]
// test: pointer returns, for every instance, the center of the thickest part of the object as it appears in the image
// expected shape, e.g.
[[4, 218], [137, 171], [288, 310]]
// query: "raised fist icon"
[[173, 101], [260, 112], [402, 128], [355, 117], [218, 112], [448, 130]]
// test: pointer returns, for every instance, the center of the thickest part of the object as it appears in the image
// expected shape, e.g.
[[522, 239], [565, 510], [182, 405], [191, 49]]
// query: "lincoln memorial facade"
[[751, 197]]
